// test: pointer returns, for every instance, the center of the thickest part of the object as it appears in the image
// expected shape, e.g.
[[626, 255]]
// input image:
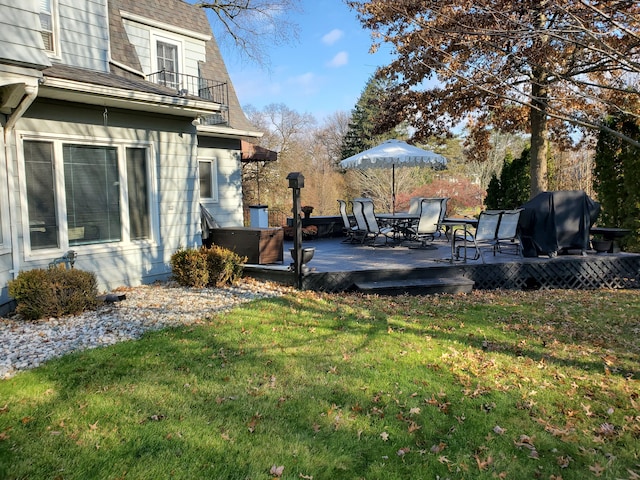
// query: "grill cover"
[[555, 221]]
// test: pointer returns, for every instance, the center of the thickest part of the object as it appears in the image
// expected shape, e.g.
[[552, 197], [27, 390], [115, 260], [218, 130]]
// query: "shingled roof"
[[179, 14]]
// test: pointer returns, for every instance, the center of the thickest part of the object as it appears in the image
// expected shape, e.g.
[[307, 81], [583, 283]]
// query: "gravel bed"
[[28, 344]]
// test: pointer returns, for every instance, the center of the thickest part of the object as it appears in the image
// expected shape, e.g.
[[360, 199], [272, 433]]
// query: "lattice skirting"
[[575, 273], [606, 271]]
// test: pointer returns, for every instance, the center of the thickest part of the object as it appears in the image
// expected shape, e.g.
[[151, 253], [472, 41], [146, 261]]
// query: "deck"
[[339, 267]]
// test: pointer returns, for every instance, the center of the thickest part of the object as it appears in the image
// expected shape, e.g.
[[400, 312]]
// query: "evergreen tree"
[[512, 188], [364, 117], [617, 179]]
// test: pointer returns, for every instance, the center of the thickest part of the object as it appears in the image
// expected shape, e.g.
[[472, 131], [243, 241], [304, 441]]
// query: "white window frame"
[[155, 38], [213, 177], [5, 232], [55, 28], [60, 198]]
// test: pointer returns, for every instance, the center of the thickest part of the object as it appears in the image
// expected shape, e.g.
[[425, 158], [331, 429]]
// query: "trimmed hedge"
[[214, 266], [54, 292]]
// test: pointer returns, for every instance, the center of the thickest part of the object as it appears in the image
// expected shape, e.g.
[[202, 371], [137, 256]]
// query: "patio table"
[[401, 222], [449, 223]]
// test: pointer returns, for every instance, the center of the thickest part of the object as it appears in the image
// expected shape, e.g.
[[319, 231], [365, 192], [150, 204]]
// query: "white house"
[[118, 120]]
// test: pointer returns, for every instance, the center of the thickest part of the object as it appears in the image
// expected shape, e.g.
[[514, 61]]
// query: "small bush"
[[189, 268], [225, 266], [54, 292]]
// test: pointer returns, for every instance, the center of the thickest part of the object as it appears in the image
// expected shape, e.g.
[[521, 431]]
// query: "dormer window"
[[47, 24]]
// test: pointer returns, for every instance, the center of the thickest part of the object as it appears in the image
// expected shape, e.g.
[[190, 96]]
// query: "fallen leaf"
[[277, 471], [93, 426], [597, 469], [413, 427], [438, 448], [384, 436], [414, 411], [483, 464], [306, 477], [403, 451], [498, 430]]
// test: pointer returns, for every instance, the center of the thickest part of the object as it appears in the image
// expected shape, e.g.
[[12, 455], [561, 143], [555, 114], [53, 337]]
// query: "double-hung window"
[[167, 58], [47, 24], [79, 194]]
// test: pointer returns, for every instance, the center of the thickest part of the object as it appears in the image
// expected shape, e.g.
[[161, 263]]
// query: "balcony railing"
[[203, 88]]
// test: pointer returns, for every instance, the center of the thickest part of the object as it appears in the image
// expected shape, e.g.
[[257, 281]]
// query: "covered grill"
[[553, 222]]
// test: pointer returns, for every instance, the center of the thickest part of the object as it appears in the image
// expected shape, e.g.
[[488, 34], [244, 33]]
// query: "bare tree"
[[255, 25], [542, 66]]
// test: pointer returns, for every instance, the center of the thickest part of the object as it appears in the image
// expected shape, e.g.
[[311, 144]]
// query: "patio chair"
[[430, 211], [361, 224], [351, 231], [508, 235], [415, 205], [484, 236], [373, 229], [443, 213]]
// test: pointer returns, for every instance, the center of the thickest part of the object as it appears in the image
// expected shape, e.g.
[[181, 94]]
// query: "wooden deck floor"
[[338, 266]]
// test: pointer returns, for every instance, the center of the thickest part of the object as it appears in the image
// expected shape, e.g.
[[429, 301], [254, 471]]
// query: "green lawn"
[[514, 385]]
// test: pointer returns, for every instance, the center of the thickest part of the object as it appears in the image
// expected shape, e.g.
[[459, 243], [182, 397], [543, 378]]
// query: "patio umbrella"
[[392, 153]]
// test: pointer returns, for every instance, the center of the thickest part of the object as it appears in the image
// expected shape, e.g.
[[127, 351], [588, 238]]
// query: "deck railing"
[[203, 88]]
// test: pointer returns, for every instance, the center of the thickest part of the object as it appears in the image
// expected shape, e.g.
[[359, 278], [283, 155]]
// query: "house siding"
[[20, 33], [176, 217], [143, 39], [227, 210], [84, 34], [88, 32]]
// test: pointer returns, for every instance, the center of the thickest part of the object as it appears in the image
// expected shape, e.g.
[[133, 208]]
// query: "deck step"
[[417, 286]]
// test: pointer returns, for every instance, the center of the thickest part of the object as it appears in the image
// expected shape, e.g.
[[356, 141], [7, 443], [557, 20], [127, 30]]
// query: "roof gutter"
[[71, 90]]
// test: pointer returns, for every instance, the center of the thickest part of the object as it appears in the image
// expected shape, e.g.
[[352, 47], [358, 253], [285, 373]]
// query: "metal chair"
[[361, 224], [484, 236], [415, 205], [443, 213], [373, 229], [508, 234], [430, 213], [351, 231]]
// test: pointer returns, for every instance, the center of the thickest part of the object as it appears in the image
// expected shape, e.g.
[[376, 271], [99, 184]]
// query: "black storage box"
[[260, 245]]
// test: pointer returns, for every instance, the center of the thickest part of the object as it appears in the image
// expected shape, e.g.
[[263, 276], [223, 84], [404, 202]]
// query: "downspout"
[[31, 92]]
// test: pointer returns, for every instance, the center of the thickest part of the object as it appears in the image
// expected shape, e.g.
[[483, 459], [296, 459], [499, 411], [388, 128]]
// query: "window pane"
[[46, 24], [92, 192], [205, 180], [43, 223], [138, 193], [168, 61]]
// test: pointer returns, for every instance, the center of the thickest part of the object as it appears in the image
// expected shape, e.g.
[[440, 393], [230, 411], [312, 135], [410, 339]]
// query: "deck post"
[[296, 182]]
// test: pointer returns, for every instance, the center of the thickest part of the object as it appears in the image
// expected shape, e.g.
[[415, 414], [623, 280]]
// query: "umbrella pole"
[[393, 189]]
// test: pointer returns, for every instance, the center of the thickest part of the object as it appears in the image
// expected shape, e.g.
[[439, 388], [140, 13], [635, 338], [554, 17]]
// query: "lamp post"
[[296, 182]]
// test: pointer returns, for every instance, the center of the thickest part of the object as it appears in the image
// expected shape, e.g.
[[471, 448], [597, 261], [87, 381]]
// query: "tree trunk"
[[539, 134]]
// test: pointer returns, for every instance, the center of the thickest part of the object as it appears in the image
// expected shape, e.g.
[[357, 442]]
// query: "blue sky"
[[325, 70]]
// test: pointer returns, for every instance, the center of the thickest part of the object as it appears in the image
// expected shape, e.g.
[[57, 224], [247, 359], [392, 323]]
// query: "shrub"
[[189, 268], [54, 292], [225, 266]]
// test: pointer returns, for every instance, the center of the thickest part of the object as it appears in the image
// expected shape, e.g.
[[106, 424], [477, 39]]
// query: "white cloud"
[[332, 37], [306, 82], [340, 59]]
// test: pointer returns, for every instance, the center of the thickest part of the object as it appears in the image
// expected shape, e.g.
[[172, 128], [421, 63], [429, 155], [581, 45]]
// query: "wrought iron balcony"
[[202, 88]]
